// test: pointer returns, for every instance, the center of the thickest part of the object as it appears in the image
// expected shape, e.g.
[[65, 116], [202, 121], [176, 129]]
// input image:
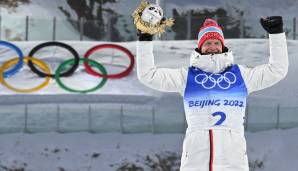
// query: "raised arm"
[[266, 75], [149, 20], [162, 79]]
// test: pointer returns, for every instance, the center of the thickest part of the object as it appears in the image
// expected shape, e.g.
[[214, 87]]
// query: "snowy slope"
[[39, 9], [44, 11], [40, 24], [254, 7], [274, 150]]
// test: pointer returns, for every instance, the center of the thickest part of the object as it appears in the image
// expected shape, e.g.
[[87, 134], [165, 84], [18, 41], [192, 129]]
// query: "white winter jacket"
[[174, 80], [214, 90]]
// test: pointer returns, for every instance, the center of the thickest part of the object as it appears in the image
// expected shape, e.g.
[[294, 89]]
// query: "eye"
[[151, 8], [217, 43]]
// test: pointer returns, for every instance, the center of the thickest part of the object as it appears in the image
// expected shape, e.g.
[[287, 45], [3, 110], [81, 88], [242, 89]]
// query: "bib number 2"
[[222, 117]]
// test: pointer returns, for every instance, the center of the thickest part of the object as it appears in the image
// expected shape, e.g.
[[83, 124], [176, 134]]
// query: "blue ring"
[[19, 65]]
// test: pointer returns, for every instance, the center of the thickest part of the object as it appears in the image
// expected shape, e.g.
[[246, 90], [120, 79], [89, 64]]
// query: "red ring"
[[111, 76]]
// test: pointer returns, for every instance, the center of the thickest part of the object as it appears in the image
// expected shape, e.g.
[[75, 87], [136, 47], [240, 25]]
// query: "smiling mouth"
[[211, 53]]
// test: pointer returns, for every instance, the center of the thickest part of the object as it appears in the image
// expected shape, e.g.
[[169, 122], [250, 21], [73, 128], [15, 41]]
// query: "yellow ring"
[[36, 61]]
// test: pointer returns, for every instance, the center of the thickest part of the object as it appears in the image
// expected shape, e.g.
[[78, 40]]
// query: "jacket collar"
[[213, 63]]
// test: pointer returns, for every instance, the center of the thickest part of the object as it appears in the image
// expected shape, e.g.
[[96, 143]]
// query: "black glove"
[[145, 36], [273, 24]]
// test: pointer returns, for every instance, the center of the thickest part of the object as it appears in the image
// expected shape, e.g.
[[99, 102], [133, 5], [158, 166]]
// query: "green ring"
[[62, 66]]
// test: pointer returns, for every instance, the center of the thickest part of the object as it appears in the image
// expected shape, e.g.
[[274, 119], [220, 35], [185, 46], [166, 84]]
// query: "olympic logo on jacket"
[[223, 81]]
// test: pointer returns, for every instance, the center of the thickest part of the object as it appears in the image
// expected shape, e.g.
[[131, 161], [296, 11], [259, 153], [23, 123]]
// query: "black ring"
[[60, 44]]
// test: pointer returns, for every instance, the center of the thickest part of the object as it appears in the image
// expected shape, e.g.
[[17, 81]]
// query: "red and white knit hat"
[[210, 30]]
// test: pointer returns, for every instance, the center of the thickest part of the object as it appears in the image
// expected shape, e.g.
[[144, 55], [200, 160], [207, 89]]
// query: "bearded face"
[[211, 46]]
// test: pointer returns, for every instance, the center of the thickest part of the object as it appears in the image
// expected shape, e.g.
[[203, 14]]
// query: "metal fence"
[[122, 29], [125, 118], [93, 118]]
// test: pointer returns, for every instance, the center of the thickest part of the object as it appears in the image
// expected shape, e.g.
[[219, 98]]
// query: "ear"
[[225, 49], [198, 50]]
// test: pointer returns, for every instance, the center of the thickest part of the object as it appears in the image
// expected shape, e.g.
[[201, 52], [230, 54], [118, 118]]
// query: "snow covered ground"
[[273, 150]]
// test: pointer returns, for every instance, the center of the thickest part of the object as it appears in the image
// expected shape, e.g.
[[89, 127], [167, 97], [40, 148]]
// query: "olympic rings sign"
[[19, 64], [12, 66], [223, 81]]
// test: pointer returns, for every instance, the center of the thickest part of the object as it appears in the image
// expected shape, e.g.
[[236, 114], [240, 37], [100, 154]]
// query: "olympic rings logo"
[[40, 68], [223, 81]]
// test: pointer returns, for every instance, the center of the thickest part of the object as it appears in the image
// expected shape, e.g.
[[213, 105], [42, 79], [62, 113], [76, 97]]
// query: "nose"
[[213, 47]]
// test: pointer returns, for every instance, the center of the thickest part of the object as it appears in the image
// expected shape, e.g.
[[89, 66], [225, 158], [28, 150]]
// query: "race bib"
[[215, 100]]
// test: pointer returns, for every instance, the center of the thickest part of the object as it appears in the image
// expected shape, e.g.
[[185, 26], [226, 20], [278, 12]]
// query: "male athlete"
[[214, 90]]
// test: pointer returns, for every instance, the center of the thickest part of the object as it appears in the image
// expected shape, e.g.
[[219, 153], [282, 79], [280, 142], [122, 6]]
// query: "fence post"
[[153, 119], [184, 122], [294, 28], [81, 27], [90, 119], [54, 29], [109, 28], [27, 28], [161, 3], [246, 117], [58, 119], [121, 120], [26, 119], [278, 117], [241, 27], [188, 36]]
